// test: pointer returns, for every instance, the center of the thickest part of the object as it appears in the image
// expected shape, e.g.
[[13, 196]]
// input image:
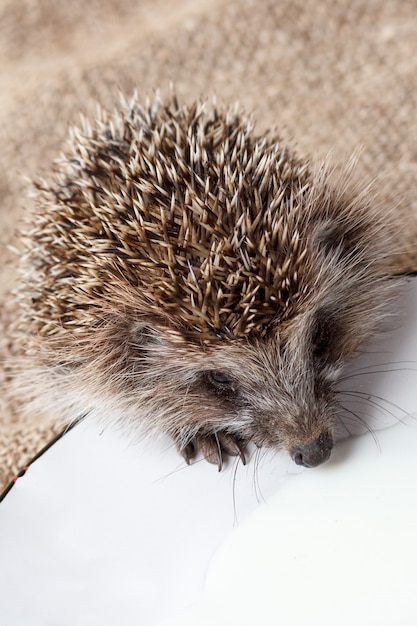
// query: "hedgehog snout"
[[313, 453]]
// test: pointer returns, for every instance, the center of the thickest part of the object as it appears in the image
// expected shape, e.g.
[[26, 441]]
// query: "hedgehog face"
[[276, 390]]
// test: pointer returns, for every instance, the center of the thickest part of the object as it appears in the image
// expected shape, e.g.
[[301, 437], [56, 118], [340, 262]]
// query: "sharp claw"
[[242, 456], [238, 450], [228, 444], [188, 452], [213, 447], [219, 462], [211, 450], [233, 446]]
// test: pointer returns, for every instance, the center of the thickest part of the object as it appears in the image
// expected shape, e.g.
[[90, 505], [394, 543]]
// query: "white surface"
[[103, 532], [333, 547]]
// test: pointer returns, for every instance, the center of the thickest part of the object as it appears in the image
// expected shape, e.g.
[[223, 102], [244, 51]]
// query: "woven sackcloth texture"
[[331, 75]]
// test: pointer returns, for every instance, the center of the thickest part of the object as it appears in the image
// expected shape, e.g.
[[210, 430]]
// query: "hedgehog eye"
[[326, 338], [220, 380], [320, 338]]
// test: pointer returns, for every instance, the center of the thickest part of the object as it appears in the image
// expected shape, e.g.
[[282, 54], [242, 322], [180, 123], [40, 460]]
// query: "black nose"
[[314, 452]]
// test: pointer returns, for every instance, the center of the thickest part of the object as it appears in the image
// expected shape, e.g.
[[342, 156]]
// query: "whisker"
[[219, 450], [364, 423], [365, 369], [176, 470], [254, 478], [236, 465], [256, 484], [367, 396], [342, 423]]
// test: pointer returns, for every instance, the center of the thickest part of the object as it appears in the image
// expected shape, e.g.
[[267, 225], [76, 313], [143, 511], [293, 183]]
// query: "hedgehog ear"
[[334, 239]]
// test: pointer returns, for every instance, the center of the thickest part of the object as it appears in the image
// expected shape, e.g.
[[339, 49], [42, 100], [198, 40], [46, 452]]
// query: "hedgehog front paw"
[[215, 447]]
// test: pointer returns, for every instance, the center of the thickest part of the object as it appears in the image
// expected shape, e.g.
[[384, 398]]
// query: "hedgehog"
[[183, 274]]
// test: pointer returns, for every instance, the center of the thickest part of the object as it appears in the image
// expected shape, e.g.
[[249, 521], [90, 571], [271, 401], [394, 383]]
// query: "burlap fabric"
[[332, 75]]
